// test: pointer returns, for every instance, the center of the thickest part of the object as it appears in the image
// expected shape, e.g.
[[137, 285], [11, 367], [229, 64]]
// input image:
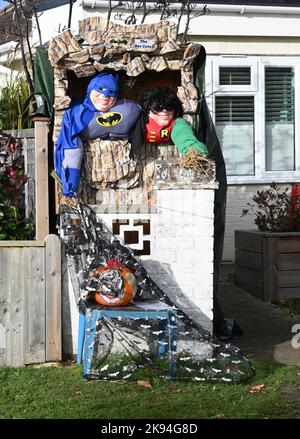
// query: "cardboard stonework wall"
[[165, 216], [136, 52]]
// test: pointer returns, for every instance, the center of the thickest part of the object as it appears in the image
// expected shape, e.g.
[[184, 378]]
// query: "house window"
[[235, 75], [254, 102], [279, 119], [235, 130]]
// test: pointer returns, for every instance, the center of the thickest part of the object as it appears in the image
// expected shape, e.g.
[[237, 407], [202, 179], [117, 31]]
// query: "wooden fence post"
[[53, 298], [41, 178]]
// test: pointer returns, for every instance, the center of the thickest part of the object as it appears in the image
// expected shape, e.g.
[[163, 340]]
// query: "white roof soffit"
[[239, 9], [6, 71], [7, 47]]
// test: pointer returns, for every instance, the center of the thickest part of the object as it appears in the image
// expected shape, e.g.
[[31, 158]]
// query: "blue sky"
[[2, 4]]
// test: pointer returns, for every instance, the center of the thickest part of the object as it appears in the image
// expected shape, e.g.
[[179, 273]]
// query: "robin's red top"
[[157, 134]]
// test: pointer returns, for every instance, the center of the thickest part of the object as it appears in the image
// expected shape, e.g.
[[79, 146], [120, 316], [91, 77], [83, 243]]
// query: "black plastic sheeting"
[[206, 133], [118, 346]]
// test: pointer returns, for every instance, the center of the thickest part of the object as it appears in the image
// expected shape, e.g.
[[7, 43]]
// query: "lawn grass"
[[61, 393], [293, 305]]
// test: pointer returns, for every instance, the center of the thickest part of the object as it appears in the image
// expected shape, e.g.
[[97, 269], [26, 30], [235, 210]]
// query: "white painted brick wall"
[[181, 259]]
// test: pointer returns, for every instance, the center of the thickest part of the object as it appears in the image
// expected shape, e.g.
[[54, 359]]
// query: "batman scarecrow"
[[100, 115]]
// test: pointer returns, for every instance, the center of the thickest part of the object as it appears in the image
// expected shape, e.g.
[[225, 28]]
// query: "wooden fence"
[[30, 301]]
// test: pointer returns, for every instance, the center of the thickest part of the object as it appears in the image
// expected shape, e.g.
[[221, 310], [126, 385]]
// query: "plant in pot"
[[276, 209], [268, 259]]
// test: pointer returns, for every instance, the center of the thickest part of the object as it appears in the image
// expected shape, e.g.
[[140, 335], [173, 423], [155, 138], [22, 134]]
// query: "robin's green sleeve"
[[184, 138]]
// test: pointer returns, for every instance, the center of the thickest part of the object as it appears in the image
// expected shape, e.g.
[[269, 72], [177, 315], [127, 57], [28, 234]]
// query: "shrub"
[[14, 104], [13, 223], [276, 209]]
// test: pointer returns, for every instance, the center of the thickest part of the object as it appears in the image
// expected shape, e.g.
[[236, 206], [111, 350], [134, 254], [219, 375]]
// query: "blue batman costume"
[[82, 121]]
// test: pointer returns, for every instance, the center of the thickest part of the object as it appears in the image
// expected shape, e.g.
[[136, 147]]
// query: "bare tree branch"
[[70, 13], [17, 11], [181, 14], [110, 9], [38, 25], [27, 14], [164, 4], [188, 18]]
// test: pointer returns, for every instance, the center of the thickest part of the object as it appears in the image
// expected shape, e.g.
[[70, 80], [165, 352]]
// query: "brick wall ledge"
[[171, 185]]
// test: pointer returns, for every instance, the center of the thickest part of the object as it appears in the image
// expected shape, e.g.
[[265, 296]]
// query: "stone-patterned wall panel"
[[135, 67], [174, 64], [96, 51], [157, 63], [189, 98], [170, 46], [83, 70], [62, 100], [107, 162], [80, 57], [122, 38], [99, 66], [149, 174], [189, 55], [61, 103], [186, 77], [93, 29], [61, 46]]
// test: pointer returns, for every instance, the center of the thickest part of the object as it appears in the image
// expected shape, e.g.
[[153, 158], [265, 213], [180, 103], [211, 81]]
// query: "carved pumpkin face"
[[118, 285]]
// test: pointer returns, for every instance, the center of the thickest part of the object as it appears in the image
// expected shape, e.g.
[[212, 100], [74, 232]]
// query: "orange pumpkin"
[[129, 287]]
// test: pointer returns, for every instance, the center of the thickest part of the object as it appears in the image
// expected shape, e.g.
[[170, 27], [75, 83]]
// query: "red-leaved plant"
[[13, 223], [276, 209]]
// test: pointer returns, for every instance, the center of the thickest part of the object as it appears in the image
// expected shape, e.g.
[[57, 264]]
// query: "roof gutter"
[[238, 9]]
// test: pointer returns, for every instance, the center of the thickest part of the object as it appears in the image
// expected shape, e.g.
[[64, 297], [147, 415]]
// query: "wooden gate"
[[30, 301]]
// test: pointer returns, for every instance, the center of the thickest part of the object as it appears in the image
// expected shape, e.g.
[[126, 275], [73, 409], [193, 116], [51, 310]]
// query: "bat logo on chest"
[[109, 119]]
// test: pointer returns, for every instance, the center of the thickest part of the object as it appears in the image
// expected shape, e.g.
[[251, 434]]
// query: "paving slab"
[[268, 328]]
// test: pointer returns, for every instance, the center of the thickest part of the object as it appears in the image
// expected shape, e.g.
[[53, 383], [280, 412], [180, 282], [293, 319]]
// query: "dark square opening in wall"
[[130, 87], [131, 237]]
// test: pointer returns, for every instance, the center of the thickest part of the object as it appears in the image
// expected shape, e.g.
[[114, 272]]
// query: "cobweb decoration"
[[120, 346]]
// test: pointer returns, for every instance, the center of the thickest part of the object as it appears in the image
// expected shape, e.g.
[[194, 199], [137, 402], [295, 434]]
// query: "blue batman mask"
[[104, 83]]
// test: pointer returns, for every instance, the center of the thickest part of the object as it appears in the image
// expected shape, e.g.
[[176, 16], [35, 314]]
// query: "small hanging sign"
[[117, 42], [140, 43]]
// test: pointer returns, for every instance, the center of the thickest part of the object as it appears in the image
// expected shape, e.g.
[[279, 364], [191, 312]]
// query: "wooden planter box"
[[268, 264]]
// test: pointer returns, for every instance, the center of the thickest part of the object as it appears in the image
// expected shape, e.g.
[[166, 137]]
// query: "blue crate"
[[166, 315]]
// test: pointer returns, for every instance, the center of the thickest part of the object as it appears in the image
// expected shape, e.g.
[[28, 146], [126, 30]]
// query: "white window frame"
[[256, 89]]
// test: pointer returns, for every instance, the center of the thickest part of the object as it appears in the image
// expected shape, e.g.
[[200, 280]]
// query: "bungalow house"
[[251, 83]]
